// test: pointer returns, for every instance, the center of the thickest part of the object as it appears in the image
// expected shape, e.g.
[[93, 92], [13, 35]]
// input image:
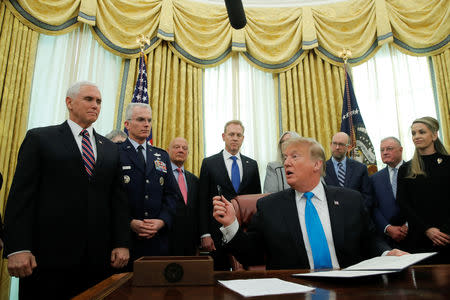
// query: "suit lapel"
[[336, 219], [150, 159], [222, 169], [387, 182], [291, 219], [331, 173], [245, 175], [68, 140], [100, 150], [348, 172]]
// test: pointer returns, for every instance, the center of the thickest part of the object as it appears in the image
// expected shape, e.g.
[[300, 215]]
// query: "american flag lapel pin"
[[336, 202]]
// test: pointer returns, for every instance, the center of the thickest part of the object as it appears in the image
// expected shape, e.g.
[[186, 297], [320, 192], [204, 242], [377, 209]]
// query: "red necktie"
[[182, 184], [88, 154]]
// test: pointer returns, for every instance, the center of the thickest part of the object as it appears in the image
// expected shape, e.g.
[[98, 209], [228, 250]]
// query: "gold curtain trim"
[[201, 35]]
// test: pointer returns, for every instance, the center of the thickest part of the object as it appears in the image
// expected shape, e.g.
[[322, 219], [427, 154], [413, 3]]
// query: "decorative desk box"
[[173, 270]]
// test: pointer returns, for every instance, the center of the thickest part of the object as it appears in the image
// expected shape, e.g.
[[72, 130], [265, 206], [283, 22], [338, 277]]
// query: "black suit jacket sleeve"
[[21, 204]]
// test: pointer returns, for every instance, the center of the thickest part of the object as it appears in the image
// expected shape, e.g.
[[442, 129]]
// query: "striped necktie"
[[88, 153], [394, 182], [341, 174]]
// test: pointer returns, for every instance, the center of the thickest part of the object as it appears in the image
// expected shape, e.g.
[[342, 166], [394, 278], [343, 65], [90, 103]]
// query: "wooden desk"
[[417, 282]]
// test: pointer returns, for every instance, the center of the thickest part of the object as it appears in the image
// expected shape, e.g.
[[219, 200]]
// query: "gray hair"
[[74, 89], [131, 106], [391, 138], [116, 133], [315, 149]]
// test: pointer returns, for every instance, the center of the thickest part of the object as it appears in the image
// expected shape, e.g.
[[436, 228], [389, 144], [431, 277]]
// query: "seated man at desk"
[[307, 226]]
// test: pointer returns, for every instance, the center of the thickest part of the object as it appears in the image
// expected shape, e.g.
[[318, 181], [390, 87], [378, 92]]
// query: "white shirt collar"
[[227, 155], [397, 166], [318, 191], [76, 129], [175, 167], [136, 144]]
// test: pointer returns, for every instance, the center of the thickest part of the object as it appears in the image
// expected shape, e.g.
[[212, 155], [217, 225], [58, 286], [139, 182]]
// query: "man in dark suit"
[[346, 172], [387, 216], [183, 237], [66, 217], [308, 226], [150, 186], [236, 174]]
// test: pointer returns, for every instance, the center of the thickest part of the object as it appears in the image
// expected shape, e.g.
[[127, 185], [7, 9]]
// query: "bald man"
[[346, 172], [184, 234]]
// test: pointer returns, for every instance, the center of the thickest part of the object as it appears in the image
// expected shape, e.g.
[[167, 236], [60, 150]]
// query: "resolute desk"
[[416, 282]]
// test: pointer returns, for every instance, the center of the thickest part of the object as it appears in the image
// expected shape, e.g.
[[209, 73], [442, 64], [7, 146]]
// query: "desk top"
[[417, 282]]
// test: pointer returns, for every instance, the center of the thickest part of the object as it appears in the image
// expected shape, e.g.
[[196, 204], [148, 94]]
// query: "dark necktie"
[[341, 174], [316, 235], [88, 153], [140, 155], [235, 175]]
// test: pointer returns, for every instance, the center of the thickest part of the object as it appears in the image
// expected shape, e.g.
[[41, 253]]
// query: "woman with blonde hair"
[[423, 192], [275, 180]]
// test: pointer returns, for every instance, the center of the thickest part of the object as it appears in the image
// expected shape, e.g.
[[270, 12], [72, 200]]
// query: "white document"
[[264, 286], [342, 274], [395, 263]]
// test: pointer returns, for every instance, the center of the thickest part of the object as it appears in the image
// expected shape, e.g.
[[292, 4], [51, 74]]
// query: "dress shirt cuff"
[[385, 229], [17, 252], [385, 253], [205, 235], [230, 231]]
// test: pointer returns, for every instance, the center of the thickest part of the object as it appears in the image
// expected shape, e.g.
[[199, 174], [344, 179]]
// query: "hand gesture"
[[223, 211]]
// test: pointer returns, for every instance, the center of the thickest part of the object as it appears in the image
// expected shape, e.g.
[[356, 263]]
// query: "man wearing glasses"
[[151, 187], [346, 172]]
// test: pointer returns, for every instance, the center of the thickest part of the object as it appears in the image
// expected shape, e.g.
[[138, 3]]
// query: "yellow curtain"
[[18, 45], [441, 66], [311, 98], [273, 40], [175, 91]]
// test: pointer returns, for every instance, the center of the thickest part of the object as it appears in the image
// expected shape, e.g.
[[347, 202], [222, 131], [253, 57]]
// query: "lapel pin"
[[100, 142], [336, 202], [439, 160]]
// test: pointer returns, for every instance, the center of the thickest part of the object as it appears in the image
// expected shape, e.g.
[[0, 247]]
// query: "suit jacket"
[[214, 172], [151, 195], [275, 180], [386, 210], [356, 178], [275, 230], [184, 237], [55, 210]]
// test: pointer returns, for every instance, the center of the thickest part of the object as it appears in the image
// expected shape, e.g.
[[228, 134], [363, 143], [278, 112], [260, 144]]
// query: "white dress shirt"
[[76, 131], [229, 162]]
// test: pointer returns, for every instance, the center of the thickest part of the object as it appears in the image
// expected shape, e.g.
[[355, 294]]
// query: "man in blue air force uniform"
[[147, 174]]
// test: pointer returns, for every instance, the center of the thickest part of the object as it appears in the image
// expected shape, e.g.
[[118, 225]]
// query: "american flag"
[[352, 123], [140, 94]]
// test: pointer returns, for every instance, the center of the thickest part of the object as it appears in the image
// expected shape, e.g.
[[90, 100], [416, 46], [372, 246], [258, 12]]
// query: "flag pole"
[[345, 54]]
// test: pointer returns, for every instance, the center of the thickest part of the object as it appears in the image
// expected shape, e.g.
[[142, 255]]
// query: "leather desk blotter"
[[173, 270]]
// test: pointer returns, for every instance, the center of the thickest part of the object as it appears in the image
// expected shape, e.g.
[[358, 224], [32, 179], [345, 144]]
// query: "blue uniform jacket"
[[151, 195]]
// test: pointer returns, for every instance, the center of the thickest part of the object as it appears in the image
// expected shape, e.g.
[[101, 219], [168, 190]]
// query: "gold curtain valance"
[[274, 39]]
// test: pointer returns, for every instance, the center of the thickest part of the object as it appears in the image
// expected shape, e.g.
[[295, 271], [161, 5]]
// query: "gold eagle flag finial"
[[143, 40], [345, 54]]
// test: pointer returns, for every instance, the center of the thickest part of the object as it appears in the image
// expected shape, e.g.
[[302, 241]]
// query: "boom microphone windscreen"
[[236, 13]]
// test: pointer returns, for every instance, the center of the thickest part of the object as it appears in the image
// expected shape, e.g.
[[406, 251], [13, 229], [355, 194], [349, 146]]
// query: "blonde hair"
[[417, 165], [316, 151], [280, 143]]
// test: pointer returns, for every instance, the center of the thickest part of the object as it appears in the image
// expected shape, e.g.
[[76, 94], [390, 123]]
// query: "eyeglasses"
[[339, 144]]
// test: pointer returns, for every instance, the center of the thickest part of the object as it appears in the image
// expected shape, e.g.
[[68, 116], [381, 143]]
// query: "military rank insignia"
[[160, 166]]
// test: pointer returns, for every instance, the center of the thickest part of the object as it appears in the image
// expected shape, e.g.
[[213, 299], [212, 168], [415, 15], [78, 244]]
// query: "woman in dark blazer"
[[423, 192]]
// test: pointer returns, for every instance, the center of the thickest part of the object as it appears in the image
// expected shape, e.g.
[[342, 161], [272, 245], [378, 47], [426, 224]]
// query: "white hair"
[[131, 106], [74, 89]]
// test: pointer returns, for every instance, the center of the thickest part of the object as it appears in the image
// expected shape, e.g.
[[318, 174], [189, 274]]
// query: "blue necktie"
[[316, 235], [235, 175]]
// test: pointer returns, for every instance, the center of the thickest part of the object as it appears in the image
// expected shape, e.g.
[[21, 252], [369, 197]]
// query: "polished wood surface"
[[417, 282]]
